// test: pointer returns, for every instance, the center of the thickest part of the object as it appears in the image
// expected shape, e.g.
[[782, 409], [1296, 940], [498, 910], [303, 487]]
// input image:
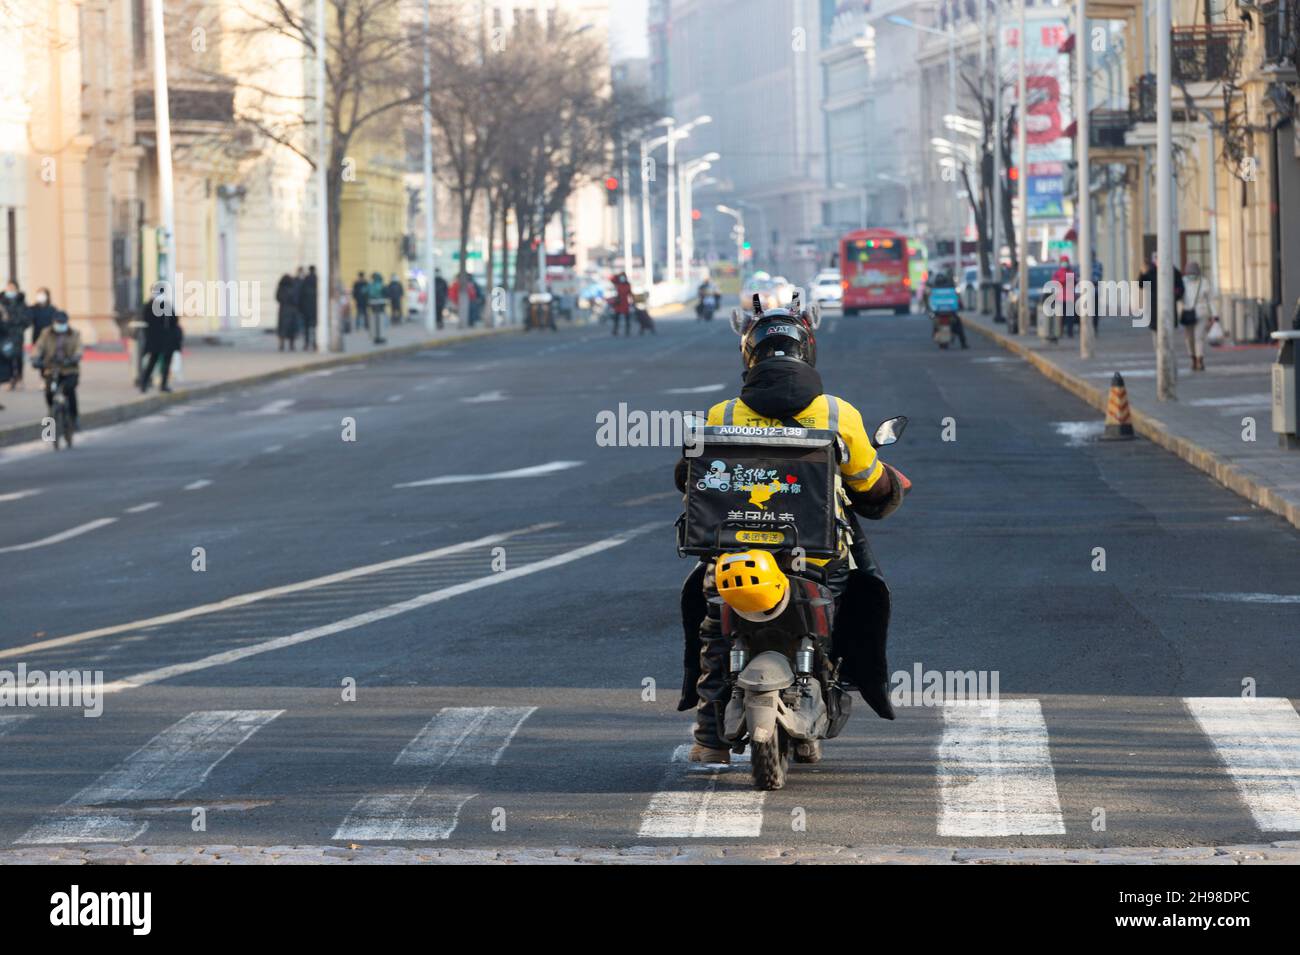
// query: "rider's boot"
[[808, 751], [709, 746]]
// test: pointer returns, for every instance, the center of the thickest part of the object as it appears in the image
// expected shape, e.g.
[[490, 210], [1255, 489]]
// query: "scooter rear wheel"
[[769, 761]]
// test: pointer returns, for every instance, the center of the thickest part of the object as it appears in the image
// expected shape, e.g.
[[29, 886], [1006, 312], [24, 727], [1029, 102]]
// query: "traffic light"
[[1013, 174], [611, 190], [695, 215]]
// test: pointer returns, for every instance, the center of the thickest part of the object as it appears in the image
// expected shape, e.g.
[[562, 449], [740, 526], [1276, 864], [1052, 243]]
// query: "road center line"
[[141, 508], [19, 495], [61, 536], [536, 470], [373, 616], [244, 599]]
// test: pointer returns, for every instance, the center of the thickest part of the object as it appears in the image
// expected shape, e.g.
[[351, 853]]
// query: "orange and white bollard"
[[1119, 427]]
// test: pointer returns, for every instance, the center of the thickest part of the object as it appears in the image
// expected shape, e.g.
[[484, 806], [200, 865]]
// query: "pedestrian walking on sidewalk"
[[1150, 281], [1194, 315], [621, 309], [439, 297], [286, 322], [307, 308], [394, 292], [162, 338], [13, 324], [377, 299], [361, 297]]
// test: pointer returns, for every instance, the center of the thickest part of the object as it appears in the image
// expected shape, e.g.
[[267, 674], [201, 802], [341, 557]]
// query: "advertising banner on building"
[[1047, 85]]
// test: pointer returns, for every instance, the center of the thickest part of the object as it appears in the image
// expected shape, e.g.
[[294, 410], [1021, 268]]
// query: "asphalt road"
[[494, 660]]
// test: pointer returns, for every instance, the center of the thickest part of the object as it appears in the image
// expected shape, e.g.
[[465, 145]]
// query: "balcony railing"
[[1106, 128], [1142, 101], [198, 105], [1206, 53]]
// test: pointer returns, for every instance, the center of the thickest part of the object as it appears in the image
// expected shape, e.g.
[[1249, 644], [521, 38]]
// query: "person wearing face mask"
[[13, 320], [58, 357], [41, 314]]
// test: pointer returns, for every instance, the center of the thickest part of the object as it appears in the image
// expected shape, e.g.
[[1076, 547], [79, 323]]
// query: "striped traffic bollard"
[[1118, 425]]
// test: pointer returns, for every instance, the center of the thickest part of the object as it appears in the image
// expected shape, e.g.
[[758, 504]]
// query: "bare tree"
[[368, 77]]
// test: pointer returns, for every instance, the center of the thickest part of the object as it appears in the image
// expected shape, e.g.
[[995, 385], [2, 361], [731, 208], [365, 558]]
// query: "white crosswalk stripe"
[[171, 764], [995, 771], [702, 801], [458, 737], [1259, 742]]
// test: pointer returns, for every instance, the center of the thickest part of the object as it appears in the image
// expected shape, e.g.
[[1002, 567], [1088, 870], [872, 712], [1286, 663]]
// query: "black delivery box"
[[767, 488]]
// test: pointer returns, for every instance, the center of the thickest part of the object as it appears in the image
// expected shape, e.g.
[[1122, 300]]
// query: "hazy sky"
[[627, 37]]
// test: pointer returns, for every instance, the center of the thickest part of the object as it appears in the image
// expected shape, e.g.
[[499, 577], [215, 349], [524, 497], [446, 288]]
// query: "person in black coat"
[[13, 320], [439, 297], [361, 295], [41, 313], [1150, 280], [162, 338], [286, 322], [307, 308], [394, 292]]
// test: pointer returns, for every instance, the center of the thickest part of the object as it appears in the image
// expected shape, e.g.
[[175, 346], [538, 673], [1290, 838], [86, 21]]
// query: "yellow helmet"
[[751, 582]]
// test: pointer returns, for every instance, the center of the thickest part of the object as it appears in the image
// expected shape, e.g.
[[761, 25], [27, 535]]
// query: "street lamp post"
[[162, 124], [688, 172], [1084, 201], [740, 241], [430, 266], [1022, 184], [997, 161], [674, 134]]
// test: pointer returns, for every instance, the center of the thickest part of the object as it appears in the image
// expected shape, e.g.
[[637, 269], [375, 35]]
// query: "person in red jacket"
[[622, 307]]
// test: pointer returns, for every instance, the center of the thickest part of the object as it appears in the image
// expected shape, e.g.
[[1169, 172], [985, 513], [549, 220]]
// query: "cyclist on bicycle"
[[57, 356]]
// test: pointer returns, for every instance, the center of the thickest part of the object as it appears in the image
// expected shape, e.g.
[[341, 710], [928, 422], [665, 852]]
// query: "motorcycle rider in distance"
[[58, 351], [782, 388], [945, 280]]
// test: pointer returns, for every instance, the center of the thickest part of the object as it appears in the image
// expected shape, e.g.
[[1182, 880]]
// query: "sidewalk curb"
[[1154, 430], [143, 407], [1275, 853]]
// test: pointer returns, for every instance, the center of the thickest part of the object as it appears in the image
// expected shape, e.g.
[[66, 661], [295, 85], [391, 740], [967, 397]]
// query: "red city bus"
[[874, 271]]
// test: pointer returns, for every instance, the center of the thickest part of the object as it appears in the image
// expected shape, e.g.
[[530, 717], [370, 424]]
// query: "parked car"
[[1039, 277], [826, 289]]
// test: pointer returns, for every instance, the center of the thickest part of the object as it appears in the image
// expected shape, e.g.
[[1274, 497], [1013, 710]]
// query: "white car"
[[826, 289]]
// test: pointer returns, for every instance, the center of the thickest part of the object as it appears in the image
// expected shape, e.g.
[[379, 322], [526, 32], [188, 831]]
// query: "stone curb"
[[1274, 853], [142, 407], [1154, 430]]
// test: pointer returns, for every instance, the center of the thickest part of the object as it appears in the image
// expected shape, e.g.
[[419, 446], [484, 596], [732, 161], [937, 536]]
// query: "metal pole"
[[670, 248], [1084, 202], [430, 265], [1166, 373], [541, 244], [162, 124], [683, 214], [1022, 184], [324, 277], [626, 204], [997, 161], [959, 219], [1210, 163], [647, 239]]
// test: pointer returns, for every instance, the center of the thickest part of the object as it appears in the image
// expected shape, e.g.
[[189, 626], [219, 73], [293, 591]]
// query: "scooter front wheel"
[[769, 761]]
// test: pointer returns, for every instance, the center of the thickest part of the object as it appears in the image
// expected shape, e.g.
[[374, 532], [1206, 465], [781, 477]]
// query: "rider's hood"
[[780, 387]]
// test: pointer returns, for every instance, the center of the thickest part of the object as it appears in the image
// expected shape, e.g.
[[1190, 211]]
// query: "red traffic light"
[[611, 183], [695, 215], [1013, 173]]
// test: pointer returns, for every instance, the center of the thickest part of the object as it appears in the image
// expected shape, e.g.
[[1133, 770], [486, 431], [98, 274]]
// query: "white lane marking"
[[1077, 434], [394, 398], [372, 616], [535, 471], [704, 801], [141, 508], [646, 499], [995, 771], [171, 764], [1246, 598], [458, 737], [1261, 399], [278, 406], [272, 448], [1259, 741], [243, 600], [19, 495], [198, 485], [61, 536], [702, 389], [10, 723], [485, 396], [465, 735], [415, 817]]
